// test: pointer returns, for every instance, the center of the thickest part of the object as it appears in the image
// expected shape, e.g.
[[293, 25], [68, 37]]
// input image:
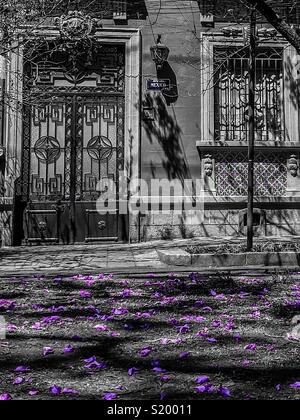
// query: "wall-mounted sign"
[[158, 85]]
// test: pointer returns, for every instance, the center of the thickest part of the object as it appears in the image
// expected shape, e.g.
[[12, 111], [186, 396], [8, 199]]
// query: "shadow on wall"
[[167, 73], [165, 130], [292, 79]]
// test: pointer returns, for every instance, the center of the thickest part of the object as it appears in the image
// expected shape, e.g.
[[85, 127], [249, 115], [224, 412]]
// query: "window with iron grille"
[[231, 72]]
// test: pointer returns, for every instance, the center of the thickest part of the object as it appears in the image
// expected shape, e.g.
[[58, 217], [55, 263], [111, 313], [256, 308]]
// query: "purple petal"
[[90, 360], [132, 371], [33, 392], [202, 380], [22, 369], [225, 392], [5, 397], [47, 351], [18, 381], [159, 370], [68, 349], [69, 391], [162, 395], [251, 347], [55, 390], [108, 396], [101, 327], [85, 294], [145, 352]]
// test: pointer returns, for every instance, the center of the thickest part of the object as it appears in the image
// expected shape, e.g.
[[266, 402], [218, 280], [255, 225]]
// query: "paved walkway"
[[88, 258], [93, 259]]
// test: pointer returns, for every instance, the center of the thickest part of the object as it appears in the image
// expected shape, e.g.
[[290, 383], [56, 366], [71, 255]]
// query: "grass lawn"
[[103, 337]]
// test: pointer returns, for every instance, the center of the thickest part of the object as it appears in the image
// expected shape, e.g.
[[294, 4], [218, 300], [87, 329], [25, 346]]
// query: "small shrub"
[[166, 233], [238, 248]]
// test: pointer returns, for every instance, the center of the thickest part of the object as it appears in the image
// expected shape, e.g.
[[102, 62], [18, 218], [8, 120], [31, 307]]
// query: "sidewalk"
[[94, 259], [84, 259]]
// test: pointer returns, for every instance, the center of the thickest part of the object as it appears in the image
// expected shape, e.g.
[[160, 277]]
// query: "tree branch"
[[278, 22]]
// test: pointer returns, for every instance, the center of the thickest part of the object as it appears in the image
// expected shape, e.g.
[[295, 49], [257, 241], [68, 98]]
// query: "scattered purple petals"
[[120, 311], [5, 397], [296, 385], [92, 364]]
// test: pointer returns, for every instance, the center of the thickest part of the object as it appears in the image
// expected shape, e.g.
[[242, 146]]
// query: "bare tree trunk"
[[278, 22], [251, 146]]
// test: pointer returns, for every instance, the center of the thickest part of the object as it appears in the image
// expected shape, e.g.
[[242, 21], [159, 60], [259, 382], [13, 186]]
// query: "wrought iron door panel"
[[41, 225], [99, 155], [101, 227], [47, 152]]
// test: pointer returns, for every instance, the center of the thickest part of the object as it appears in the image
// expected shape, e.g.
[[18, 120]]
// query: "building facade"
[[85, 97]]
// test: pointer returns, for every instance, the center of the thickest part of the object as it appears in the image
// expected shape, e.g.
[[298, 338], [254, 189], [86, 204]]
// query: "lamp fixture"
[[159, 53]]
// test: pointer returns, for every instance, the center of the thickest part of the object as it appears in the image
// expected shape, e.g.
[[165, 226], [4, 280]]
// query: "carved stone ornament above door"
[[77, 25], [77, 39]]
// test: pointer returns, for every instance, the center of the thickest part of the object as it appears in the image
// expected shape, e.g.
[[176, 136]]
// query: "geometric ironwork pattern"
[[47, 149], [232, 95], [231, 174], [100, 148], [73, 137], [73, 133], [106, 73]]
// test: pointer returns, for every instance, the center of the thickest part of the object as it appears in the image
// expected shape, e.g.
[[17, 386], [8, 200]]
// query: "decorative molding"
[[238, 32], [207, 20], [231, 174], [77, 25], [293, 165], [208, 165]]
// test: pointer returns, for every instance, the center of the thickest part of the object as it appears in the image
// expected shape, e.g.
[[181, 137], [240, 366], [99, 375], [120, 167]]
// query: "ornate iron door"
[[73, 137]]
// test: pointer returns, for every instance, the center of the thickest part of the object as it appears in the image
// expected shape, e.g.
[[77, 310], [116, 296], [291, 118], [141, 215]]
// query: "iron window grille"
[[231, 91]]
